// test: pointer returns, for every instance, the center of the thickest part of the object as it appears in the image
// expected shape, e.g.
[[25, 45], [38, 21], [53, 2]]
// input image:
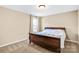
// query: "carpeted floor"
[[24, 47]]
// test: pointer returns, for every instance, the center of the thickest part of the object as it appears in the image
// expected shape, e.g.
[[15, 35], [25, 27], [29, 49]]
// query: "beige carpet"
[[24, 47]]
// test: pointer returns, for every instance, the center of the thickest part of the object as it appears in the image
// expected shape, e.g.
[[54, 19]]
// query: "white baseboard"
[[73, 41], [12, 42]]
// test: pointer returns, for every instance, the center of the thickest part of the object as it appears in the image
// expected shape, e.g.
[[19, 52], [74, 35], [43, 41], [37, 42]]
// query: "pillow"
[[52, 30]]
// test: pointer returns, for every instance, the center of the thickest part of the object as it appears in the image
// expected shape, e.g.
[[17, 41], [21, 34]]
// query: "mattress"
[[54, 33]]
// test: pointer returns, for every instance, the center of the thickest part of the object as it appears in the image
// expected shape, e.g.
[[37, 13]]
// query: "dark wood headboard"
[[62, 28]]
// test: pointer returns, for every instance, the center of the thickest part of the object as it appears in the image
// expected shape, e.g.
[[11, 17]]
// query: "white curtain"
[[35, 24]]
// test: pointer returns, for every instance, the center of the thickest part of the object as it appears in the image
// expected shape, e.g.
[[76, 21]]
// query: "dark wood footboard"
[[50, 43]]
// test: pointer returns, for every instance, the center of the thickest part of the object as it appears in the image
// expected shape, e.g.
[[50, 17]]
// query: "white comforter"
[[54, 33]]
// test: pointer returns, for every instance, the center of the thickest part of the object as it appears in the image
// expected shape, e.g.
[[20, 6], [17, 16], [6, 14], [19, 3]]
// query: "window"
[[35, 24]]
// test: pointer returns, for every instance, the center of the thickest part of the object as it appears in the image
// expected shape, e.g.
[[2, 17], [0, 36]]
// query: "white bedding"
[[54, 33]]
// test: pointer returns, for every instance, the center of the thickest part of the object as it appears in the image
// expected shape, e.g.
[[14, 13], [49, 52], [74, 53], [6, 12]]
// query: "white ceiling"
[[49, 10]]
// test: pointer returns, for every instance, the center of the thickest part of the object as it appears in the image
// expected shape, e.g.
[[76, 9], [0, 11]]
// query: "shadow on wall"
[[73, 37]]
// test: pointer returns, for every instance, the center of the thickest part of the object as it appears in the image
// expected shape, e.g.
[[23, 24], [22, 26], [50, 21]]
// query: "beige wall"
[[68, 20], [14, 26], [78, 25]]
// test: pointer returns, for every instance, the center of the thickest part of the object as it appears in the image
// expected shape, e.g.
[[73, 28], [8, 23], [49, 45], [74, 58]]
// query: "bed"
[[51, 38]]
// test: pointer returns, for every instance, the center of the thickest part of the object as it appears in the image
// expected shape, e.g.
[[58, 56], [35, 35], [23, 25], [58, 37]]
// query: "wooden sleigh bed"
[[50, 43]]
